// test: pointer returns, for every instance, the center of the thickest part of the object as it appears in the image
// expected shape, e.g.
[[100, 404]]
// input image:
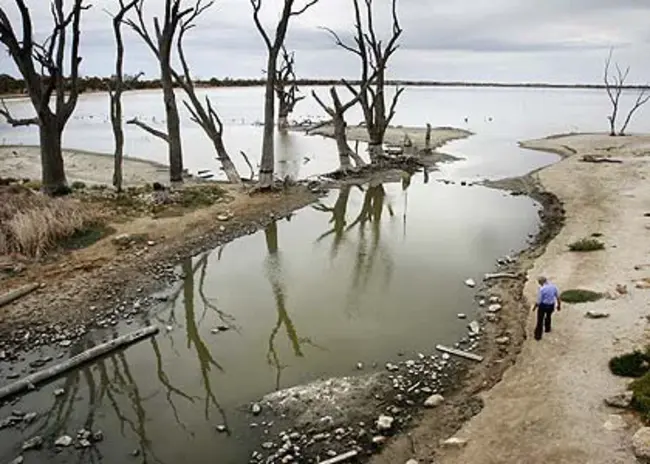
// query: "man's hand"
[[559, 307], [534, 307]]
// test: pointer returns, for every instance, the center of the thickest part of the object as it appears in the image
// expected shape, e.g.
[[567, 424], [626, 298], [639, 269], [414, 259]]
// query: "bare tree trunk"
[[342, 144], [118, 136], [227, 165], [283, 119], [173, 125], [53, 172], [267, 163]]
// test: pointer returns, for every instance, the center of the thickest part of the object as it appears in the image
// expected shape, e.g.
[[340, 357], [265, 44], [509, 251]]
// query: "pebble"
[[268, 445], [384, 423], [446, 356], [622, 400], [59, 392], [63, 441], [18, 460], [474, 328], [493, 308], [462, 316], [256, 409], [378, 440], [454, 442], [434, 401], [33, 443], [98, 436], [470, 283], [65, 343], [360, 366], [411, 461], [502, 340], [222, 428]]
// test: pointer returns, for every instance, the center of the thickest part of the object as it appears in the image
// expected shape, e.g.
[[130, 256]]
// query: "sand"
[[549, 406], [22, 161]]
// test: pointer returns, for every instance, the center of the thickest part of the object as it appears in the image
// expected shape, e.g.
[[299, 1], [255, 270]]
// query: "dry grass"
[[32, 223]]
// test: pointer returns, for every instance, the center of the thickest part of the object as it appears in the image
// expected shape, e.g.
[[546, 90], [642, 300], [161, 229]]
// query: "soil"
[[548, 405]]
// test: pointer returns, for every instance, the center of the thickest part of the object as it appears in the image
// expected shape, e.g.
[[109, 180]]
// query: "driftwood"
[[460, 353], [48, 374], [341, 457], [599, 159], [501, 275], [17, 293]]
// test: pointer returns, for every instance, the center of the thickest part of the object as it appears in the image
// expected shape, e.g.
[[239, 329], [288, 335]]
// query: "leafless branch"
[[257, 7], [4, 111], [149, 129], [641, 99], [250, 166]]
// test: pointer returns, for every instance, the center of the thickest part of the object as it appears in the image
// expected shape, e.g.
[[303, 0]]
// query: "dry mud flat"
[[549, 406]]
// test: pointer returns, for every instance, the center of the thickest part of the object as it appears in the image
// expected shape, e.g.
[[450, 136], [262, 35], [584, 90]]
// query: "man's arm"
[[538, 300], [557, 299]]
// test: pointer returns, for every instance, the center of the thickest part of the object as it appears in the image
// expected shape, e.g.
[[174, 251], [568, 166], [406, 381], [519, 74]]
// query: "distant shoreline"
[[97, 85]]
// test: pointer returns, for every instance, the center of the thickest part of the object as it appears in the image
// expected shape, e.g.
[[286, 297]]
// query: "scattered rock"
[[268, 445], [18, 460], [493, 308], [596, 314], [59, 392], [256, 409], [474, 328], [29, 417], [462, 316], [641, 444], [378, 440], [360, 366], [223, 217], [135, 452], [470, 283], [411, 461], [384, 423], [453, 442], [63, 441], [65, 343], [614, 422], [391, 367], [502, 340], [481, 303], [98, 436], [622, 400], [33, 443], [222, 428], [494, 299], [434, 401]]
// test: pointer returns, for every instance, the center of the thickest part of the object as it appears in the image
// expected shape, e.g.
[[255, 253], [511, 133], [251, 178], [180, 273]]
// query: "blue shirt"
[[547, 294]]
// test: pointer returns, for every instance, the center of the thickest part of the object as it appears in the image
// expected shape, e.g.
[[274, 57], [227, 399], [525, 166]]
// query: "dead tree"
[[286, 88], [161, 45], [337, 113], [204, 116], [42, 68], [116, 87], [273, 46], [615, 85], [373, 54]]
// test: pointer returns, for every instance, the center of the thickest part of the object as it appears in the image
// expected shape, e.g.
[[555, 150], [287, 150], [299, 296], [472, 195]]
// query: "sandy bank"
[[22, 161], [395, 135], [549, 406]]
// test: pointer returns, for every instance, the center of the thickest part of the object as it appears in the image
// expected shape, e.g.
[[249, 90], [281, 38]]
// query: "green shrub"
[[78, 185], [33, 184], [578, 295], [587, 244], [633, 364], [641, 395]]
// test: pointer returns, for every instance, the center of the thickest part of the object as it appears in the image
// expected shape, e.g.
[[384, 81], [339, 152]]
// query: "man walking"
[[548, 297]]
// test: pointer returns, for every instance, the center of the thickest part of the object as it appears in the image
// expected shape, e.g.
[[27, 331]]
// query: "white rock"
[[63, 441], [502, 340], [410, 363], [470, 283], [434, 401], [222, 428], [445, 356], [384, 423], [481, 303], [59, 392], [474, 328], [18, 460], [360, 365], [641, 444], [223, 217], [411, 461], [454, 442], [378, 440], [256, 409], [622, 400], [462, 316], [494, 299], [493, 308], [596, 314]]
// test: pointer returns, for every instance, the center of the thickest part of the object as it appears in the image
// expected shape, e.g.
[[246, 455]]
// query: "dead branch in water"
[[45, 375], [146, 127]]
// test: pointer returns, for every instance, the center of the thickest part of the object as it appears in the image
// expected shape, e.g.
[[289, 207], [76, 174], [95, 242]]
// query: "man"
[[548, 297]]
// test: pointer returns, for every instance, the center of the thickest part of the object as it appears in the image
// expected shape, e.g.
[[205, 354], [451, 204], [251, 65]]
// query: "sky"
[[557, 41]]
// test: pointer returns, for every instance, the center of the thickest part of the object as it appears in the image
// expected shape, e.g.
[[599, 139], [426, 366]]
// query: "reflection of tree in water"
[[274, 274], [369, 250], [109, 381]]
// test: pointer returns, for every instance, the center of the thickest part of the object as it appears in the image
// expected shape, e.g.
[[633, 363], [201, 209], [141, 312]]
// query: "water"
[[361, 276]]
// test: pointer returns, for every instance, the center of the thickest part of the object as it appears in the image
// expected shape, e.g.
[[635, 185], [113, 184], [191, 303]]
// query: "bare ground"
[[549, 406]]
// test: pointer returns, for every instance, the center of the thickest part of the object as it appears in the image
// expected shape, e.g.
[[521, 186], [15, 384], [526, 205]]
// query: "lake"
[[364, 275]]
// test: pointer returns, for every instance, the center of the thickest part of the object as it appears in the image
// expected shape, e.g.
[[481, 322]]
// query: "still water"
[[367, 273]]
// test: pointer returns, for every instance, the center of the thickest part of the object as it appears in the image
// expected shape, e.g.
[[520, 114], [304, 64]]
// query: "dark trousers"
[[544, 313]]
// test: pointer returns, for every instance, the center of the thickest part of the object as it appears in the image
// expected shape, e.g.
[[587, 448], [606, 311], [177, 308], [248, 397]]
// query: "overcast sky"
[[486, 40]]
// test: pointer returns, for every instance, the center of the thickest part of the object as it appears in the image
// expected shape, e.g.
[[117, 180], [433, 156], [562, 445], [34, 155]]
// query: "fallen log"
[[599, 159], [341, 457], [17, 293], [460, 353], [501, 275], [45, 375]]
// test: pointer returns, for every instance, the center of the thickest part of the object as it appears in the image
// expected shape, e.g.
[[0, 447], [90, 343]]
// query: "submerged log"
[[28, 383], [460, 353], [17, 293]]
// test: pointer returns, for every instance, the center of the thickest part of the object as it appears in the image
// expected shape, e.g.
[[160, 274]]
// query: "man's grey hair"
[[542, 280]]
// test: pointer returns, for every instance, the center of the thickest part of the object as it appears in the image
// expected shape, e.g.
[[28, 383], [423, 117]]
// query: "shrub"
[[587, 244], [633, 364], [641, 395], [78, 185], [578, 295], [33, 184], [32, 223]]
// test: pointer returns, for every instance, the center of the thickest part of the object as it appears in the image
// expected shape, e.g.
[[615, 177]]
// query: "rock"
[[494, 299], [470, 283], [63, 441], [378, 440], [502, 340], [122, 240], [481, 303], [596, 314], [453, 442], [641, 444], [256, 409], [135, 452], [411, 461], [223, 217], [491, 317], [98, 436], [446, 356], [614, 422], [391, 367], [59, 392], [384, 423], [462, 316], [29, 418], [33, 443], [493, 308], [474, 328], [410, 363], [18, 460], [268, 445], [360, 366], [622, 400], [65, 343], [434, 401], [222, 428]]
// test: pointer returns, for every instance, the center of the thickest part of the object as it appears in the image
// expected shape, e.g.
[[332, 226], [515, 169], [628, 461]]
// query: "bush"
[[578, 295], [641, 395], [587, 244], [630, 364], [78, 185], [32, 223]]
